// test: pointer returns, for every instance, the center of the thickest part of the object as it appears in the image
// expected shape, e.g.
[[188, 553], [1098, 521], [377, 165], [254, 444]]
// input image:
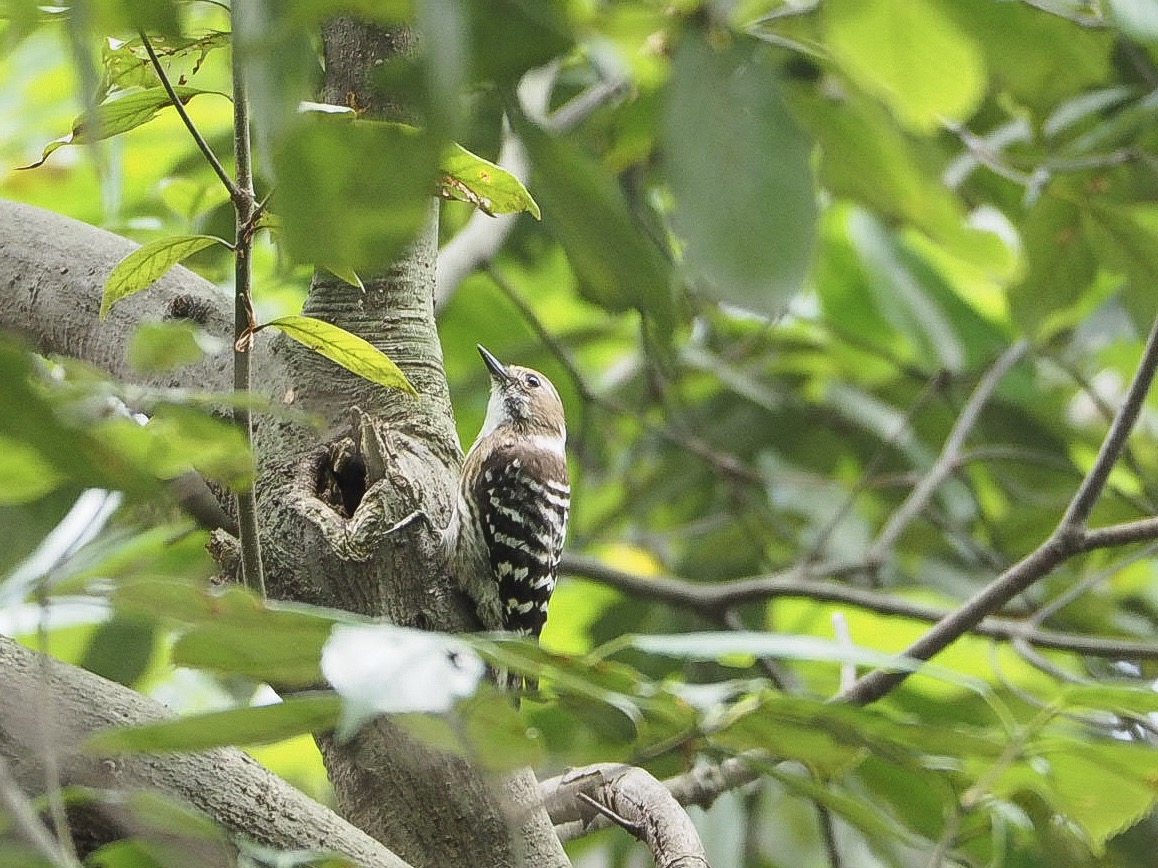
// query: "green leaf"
[[234, 633], [24, 475], [469, 178], [899, 292], [120, 650], [344, 272], [117, 115], [353, 353], [165, 346], [282, 648], [618, 265], [496, 733], [353, 193], [238, 726], [1127, 239], [910, 55], [1061, 267], [1103, 788], [179, 439], [144, 266], [510, 37], [739, 170]]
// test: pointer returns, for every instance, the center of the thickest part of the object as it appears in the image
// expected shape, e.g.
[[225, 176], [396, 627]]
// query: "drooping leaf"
[[618, 265], [353, 353], [739, 170], [279, 647], [115, 116], [144, 266], [261, 724], [469, 178], [344, 272]]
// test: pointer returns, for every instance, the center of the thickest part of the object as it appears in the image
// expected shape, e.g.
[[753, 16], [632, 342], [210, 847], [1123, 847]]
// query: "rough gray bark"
[[631, 798], [46, 704], [324, 521]]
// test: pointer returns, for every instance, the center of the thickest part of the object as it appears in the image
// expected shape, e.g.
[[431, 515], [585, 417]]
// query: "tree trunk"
[[323, 520]]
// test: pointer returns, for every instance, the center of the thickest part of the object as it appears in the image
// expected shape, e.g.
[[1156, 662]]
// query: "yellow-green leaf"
[[345, 273], [116, 116], [911, 55], [141, 268], [236, 726], [348, 350], [468, 177]]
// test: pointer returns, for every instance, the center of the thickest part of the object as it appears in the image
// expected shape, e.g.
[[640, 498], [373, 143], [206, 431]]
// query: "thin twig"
[[934, 385], [827, 826], [919, 497], [622, 822], [253, 572], [235, 191], [1091, 489]]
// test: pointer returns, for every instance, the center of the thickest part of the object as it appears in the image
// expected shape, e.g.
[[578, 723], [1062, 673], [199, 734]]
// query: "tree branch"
[[227, 784], [235, 192], [709, 599], [1090, 490], [946, 462], [635, 800], [1070, 538]]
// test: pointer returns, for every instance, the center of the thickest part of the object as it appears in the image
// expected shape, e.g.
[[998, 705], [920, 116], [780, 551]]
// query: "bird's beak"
[[498, 369]]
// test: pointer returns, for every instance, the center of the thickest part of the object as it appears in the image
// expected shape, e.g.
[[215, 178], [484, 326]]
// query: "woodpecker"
[[513, 501]]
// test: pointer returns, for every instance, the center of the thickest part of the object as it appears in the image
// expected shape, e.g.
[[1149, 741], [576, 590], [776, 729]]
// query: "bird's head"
[[523, 399]]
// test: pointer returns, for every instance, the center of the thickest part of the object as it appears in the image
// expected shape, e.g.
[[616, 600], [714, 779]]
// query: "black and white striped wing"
[[524, 498]]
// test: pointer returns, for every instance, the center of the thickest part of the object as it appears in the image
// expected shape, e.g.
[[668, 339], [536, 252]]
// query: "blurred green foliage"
[[770, 268]]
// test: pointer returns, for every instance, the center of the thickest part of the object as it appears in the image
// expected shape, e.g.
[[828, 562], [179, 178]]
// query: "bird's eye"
[[533, 381]]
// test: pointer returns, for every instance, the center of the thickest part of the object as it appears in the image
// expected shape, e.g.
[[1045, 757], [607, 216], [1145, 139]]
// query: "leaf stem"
[[245, 203], [235, 190]]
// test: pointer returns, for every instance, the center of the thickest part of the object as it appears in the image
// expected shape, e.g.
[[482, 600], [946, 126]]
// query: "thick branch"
[[632, 798], [228, 785]]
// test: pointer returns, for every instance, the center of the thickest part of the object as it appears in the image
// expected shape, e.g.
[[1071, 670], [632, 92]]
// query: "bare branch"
[[634, 800], [1069, 538], [709, 599], [1083, 503], [946, 462]]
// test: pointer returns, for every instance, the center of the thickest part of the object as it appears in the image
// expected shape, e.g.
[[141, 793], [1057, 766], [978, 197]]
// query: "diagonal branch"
[[235, 192], [1071, 537], [947, 461], [227, 784], [1091, 489]]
